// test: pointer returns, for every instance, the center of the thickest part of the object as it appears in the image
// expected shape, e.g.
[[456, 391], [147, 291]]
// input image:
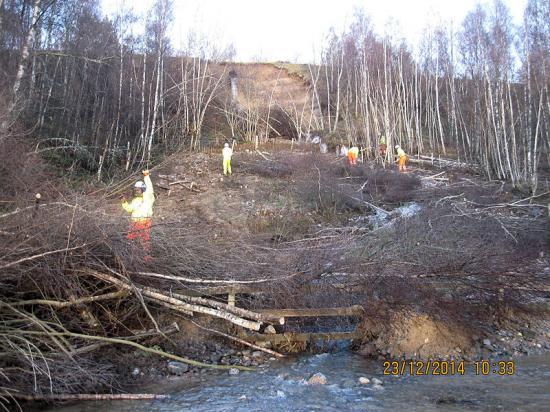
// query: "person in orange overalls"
[[401, 158], [141, 210], [353, 152]]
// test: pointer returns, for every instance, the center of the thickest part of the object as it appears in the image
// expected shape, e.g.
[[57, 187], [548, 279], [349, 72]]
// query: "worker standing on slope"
[[401, 158], [141, 209], [382, 146], [344, 151], [353, 152], [227, 152]]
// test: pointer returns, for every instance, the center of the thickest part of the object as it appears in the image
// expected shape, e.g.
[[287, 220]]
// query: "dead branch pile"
[[70, 280], [71, 283]]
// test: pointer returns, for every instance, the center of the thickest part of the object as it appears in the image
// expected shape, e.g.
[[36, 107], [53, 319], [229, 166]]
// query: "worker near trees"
[[141, 210], [227, 152], [382, 145], [344, 151], [353, 152], [401, 158]]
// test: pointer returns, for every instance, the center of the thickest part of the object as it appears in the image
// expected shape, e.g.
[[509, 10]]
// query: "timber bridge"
[[289, 325]]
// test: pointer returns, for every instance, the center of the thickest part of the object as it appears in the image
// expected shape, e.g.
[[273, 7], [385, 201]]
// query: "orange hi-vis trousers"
[[402, 163], [352, 157], [140, 231]]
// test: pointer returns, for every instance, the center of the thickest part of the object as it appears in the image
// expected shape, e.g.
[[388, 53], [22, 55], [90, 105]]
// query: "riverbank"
[[444, 264]]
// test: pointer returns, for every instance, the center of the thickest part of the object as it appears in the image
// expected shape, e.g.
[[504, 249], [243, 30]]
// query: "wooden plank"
[[231, 299], [300, 337], [355, 310], [219, 290]]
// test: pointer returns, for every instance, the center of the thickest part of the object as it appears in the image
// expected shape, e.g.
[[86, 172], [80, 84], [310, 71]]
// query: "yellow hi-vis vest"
[[400, 152], [354, 150], [142, 206]]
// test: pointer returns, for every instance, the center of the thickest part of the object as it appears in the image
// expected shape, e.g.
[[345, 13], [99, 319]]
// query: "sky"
[[294, 30]]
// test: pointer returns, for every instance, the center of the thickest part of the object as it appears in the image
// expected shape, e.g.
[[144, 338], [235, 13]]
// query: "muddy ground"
[[445, 263]]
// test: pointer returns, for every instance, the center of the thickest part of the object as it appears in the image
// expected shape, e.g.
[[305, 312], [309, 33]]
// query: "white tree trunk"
[[24, 57]]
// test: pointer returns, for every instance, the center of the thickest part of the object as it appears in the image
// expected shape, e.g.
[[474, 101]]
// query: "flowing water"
[[282, 387]]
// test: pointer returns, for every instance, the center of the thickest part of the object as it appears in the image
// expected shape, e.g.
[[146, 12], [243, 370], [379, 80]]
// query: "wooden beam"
[[219, 290], [300, 337], [355, 310]]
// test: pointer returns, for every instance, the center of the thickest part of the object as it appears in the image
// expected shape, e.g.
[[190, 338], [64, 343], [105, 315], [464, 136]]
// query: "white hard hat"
[[226, 145], [140, 185], [397, 146]]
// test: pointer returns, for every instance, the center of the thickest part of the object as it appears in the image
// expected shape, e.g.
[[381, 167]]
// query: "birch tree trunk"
[[23, 61]]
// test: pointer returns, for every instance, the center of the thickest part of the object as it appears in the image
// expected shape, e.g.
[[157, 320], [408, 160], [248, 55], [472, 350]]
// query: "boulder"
[[177, 368], [317, 379]]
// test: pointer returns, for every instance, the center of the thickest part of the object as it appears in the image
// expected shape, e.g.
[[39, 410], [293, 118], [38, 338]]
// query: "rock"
[[135, 372], [234, 371], [368, 350], [177, 368], [528, 334], [348, 383], [281, 394], [257, 354], [364, 381], [270, 329], [317, 379], [215, 358], [378, 387], [487, 343], [243, 397], [376, 381]]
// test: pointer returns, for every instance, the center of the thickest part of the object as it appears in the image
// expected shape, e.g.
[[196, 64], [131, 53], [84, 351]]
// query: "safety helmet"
[[397, 146], [140, 185], [226, 145]]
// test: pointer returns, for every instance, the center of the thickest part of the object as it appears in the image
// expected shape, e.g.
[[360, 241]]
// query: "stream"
[[283, 386]]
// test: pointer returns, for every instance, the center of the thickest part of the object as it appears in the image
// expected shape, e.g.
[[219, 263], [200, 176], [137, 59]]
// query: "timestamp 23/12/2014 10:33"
[[448, 367]]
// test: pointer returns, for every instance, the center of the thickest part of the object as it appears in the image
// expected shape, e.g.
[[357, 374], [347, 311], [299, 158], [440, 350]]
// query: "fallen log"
[[64, 304], [137, 346], [142, 335], [355, 310], [247, 324], [88, 396], [241, 341], [232, 309], [300, 337]]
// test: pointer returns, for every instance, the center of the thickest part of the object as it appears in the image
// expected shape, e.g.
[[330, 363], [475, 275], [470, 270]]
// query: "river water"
[[282, 387]]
